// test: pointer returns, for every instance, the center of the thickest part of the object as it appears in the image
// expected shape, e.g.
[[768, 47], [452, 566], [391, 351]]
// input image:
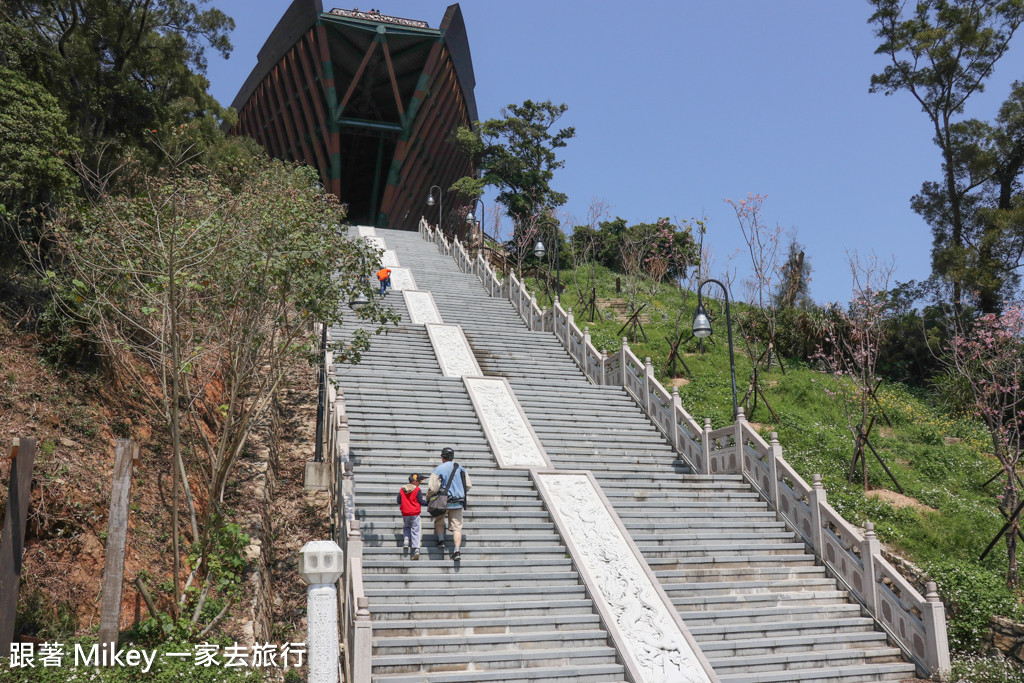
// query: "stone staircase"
[[745, 586], [514, 608]]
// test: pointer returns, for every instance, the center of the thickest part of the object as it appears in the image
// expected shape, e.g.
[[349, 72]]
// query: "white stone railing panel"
[[720, 447], [452, 350], [840, 547], [514, 443], [421, 306], [900, 607], [376, 242], [366, 231], [402, 279], [637, 613]]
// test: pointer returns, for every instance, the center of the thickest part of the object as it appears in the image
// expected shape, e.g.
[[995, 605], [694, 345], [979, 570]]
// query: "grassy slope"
[[940, 461]]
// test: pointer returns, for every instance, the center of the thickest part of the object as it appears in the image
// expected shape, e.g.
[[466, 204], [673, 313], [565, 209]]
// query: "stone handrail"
[[356, 626], [916, 622]]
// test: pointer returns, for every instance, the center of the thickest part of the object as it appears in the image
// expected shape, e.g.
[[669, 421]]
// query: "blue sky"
[[680, 104]]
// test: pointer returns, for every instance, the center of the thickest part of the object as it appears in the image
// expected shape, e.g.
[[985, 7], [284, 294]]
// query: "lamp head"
[[538, 249], [470, 218], [358, 302], [430, 199], [701, 323]]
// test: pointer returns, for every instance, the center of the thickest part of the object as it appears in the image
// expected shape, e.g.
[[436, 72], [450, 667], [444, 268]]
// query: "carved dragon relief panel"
[[401, 278], [652, 636], [421, 307], [513, 442], [452, 350], [389, 259]]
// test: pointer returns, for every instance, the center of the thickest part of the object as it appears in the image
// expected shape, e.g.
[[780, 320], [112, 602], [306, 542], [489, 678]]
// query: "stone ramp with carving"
[[514, 608], [745, 586]]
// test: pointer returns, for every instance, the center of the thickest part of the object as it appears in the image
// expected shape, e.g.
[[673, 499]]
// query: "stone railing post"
[[568, 330], [773, 468], [706, 443], [362, 643], [320, 565], [677, 435], [529, 313], [815, 499], [741, 422], [623, 365], [648, 382], [604, 365], [937, 647], [870, 547]]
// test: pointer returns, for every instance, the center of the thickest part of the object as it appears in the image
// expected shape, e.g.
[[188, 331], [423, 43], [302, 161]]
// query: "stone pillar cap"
[[321, 562]]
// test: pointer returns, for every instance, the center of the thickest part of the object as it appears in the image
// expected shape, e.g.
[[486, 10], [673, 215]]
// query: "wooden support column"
[[12, 542], [117, 537]]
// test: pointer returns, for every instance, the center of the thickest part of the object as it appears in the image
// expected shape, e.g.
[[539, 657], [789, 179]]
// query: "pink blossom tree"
[[988, 358]]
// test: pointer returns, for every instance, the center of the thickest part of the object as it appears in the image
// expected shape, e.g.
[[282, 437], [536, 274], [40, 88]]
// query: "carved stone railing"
[[356, 626], [915, 622]]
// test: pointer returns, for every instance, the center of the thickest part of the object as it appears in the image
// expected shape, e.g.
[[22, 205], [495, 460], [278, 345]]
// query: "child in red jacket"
[[410, 499]]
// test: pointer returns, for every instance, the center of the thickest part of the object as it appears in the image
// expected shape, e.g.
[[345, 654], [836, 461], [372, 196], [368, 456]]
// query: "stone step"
[[793, 661], [509, 661], [456, 610], [450, 643], [738, 649], [472, 563], [850, 674], [470, 594]]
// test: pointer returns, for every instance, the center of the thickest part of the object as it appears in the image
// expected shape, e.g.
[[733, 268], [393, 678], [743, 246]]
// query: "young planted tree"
[[200, 297], [855, 337], [759, 323], [942, 52], [986, 359], [583, 247]]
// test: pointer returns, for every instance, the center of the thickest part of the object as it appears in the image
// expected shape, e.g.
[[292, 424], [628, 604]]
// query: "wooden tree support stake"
[[1009, 520], [12, 542], [634, 325], [117, 538]]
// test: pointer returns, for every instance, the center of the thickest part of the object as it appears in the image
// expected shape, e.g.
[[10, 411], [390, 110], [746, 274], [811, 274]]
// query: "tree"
[[517, 154], [794, 286], [34, 149], [118, 69], [987, 359], [200, 296], [942, 51], [759, 322], [855, 338]]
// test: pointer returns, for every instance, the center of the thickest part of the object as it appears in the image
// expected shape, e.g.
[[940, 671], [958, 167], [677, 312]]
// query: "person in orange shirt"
[[384, 277]]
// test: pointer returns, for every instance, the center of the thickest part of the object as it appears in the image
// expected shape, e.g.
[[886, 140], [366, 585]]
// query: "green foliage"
[[121, 70], [517, 154], [42, 616], [660, 241], [974, 595], [985, 669], [34, 147]]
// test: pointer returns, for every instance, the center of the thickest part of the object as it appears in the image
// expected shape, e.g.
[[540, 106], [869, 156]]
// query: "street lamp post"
[[702, 329], [539, 250], [440, 205], [471, 220]]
